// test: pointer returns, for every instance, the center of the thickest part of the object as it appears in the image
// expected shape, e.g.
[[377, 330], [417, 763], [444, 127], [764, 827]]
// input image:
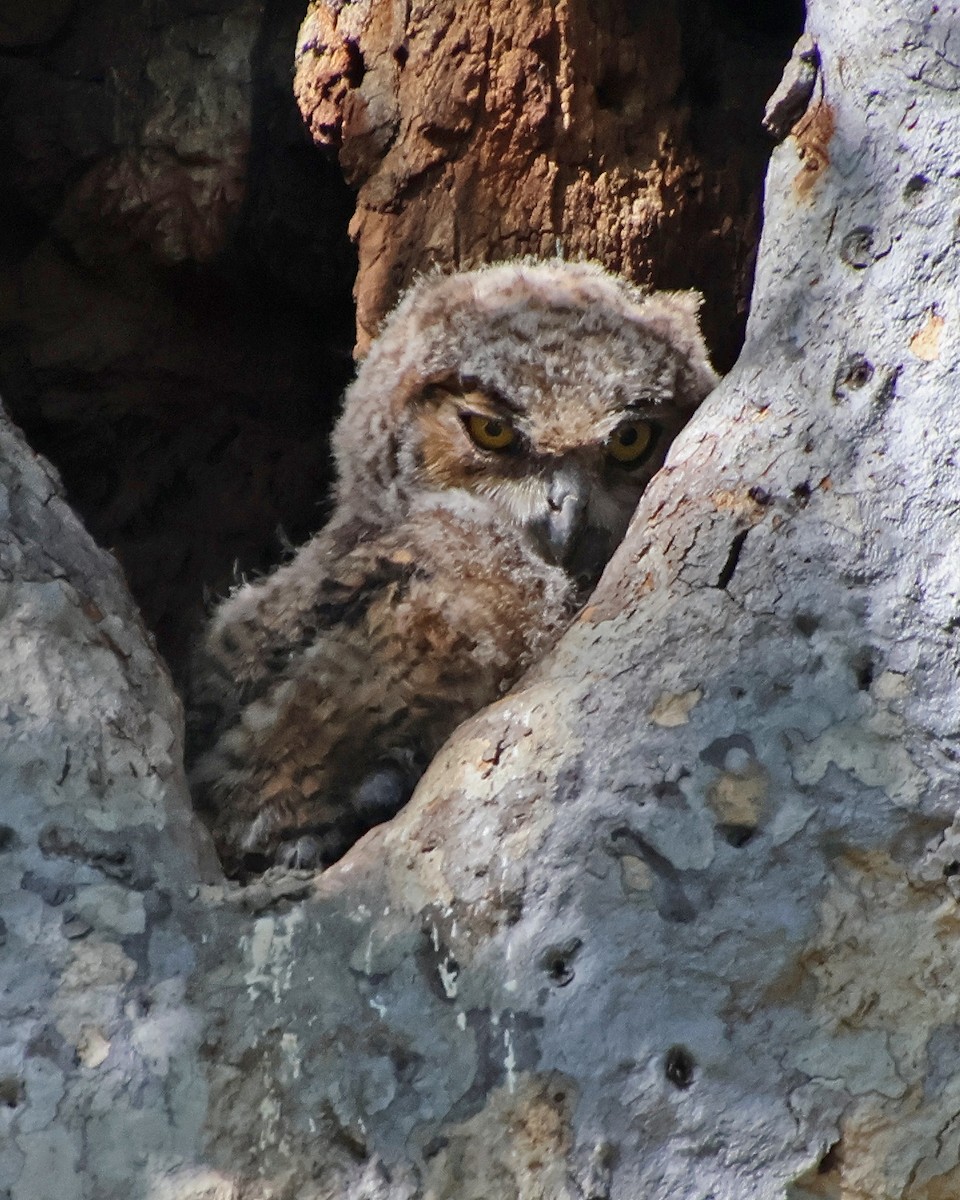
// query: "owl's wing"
[[261, 626], [297, 722], [399, 640]]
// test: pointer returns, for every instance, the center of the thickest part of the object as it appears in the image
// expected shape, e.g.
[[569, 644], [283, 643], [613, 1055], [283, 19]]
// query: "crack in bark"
[[733, 558]]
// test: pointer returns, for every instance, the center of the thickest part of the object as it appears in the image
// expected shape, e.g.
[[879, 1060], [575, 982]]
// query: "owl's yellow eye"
[[490, 433], [630, 441]]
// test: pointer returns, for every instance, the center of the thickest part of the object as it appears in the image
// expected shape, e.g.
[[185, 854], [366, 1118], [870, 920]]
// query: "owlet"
[[490, 453]]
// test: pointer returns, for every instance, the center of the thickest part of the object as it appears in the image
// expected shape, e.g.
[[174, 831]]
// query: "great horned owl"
[[490, 453]]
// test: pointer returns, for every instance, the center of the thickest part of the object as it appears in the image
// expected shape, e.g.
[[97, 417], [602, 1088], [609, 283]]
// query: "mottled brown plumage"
[[490, 453]]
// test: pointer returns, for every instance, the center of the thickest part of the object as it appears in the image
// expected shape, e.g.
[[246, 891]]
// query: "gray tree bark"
[[675, 918]]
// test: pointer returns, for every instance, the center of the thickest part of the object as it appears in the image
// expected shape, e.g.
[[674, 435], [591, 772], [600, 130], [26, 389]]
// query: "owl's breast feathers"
[[344, 660]]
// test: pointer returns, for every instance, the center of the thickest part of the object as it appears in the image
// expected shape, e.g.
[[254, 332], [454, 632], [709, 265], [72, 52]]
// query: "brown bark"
[[474, 131]]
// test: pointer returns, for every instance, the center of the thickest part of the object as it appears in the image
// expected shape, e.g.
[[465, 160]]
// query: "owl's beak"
[[566, 514]]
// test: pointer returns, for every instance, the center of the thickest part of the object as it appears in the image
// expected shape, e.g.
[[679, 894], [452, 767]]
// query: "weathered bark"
[[99, 1063], [677, 917], [620, 132]]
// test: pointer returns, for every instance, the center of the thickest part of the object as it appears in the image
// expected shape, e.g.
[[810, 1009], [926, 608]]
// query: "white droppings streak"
[[269, 950], [509, 1060], [291, 1052], [269, 1121], [448, 972]]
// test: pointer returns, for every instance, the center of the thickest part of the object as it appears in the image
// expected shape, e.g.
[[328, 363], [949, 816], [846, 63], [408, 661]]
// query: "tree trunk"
[[677, 916], [474, 131]]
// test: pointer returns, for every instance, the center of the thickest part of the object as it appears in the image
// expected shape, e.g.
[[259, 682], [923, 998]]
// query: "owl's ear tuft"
[[674, 318]]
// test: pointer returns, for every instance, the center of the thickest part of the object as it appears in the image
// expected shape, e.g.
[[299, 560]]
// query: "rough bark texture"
[[622, 132], [99, 1053], [676, 918]]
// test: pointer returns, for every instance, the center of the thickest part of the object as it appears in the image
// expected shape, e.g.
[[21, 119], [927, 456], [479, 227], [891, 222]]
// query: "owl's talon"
[[300, 854]]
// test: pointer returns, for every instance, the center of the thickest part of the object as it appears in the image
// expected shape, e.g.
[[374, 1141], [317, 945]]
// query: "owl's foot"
[[304, 853], [314, 845]]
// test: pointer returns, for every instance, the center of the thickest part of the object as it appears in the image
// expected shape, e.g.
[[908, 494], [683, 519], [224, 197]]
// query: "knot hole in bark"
[[679, 1067], [12, 1092], [557, 961]]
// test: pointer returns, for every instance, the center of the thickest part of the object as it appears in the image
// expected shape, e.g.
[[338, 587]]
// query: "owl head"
[[547, 391]]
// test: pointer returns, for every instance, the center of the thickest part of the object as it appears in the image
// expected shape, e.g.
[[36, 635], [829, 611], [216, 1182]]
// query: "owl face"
[[550, 392], [567, 471]]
